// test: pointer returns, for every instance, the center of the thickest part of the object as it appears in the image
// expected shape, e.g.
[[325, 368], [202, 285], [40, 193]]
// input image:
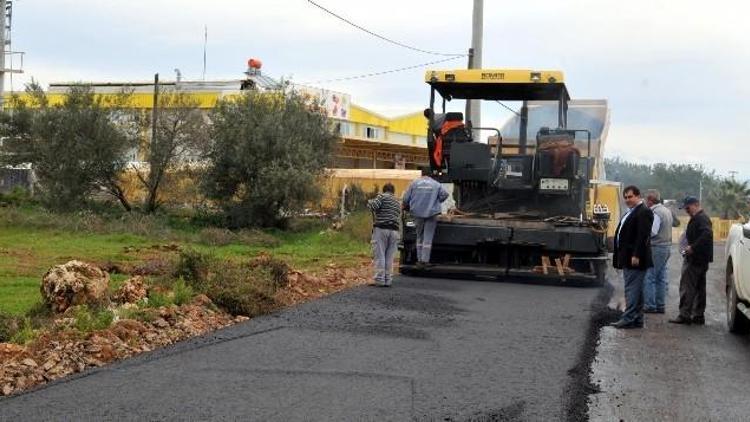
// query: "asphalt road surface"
[[668, 372], [426, 349]]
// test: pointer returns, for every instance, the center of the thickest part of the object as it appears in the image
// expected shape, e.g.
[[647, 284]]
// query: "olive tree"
[[178, 129], [266, 154], [76, 147]]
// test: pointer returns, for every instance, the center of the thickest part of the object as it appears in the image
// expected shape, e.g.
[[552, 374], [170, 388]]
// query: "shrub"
[[248, 289], [139, 314], [9, 325], [182, 293], [214, 236], [40, 313], [25, 333], [193, 267], [89, 319], [257, 238], [157, 299], [18, 196]]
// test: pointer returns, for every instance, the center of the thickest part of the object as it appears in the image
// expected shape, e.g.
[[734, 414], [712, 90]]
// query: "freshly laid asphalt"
[[425, 349]]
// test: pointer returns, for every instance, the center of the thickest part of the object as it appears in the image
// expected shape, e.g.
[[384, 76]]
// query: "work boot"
[[699, 320], [626, 325], [681, 320]]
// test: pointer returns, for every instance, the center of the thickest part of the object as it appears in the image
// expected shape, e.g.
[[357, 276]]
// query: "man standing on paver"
[[633, 255], [698, 253], [655, 284], [386, 213], [422, 199]]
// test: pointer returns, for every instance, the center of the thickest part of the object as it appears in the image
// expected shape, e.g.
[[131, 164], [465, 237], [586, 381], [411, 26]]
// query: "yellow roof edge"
[[374, 113]]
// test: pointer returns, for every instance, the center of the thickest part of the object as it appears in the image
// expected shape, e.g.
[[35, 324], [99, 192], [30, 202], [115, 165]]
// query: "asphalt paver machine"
[[524, 209]]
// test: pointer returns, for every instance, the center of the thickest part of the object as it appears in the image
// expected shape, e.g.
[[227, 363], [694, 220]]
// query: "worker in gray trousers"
[[422, 199], [386, 212]]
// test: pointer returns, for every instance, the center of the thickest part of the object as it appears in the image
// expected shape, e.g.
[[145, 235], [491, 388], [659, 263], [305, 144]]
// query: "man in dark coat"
[[633, 255], [698, 251]]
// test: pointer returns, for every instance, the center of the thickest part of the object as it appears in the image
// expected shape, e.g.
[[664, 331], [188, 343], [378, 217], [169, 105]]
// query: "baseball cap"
[[689, 200]]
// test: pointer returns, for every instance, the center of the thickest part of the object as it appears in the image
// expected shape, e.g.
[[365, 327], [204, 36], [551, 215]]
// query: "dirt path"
[[675, 373]]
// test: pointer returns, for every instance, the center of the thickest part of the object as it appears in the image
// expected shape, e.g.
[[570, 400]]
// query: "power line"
[[386, 39], [509, 109], [384, 72]]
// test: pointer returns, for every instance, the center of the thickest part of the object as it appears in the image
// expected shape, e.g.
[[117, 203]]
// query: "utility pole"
[[3, 43], [154, 110], [6, 14], [473, 107]]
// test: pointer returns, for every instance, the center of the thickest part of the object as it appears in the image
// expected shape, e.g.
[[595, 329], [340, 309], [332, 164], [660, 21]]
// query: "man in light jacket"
[[655, 285], [422, 199]]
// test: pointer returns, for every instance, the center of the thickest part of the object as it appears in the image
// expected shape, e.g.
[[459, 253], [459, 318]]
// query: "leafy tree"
[[266, 153], [76, 148], [731, 198], [180, 129]]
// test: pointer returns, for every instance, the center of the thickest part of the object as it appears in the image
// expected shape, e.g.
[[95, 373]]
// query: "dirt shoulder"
[[63, 349]]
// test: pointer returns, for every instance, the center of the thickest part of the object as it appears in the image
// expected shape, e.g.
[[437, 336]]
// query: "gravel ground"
[[668, 372], [426, 349]]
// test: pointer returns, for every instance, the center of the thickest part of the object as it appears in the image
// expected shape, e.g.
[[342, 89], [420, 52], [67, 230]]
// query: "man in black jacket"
[[698, 250], [633, 255]]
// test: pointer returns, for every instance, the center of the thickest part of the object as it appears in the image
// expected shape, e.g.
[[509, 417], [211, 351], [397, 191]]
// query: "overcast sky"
[[675, 72]]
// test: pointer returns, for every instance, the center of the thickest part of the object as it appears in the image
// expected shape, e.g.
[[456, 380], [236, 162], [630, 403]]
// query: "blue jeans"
[[633, 296], [656, 282]]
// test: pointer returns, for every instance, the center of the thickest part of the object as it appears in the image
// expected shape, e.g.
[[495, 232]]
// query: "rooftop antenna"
[[205, 43]]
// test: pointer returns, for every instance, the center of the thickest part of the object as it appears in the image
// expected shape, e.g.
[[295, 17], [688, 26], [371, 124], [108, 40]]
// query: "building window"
[[371, 132], [343, 128]]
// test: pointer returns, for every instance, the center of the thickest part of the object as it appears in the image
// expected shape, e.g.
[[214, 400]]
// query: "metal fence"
[[11, 178]]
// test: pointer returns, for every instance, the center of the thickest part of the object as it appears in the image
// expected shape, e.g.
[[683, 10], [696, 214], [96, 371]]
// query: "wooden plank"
[[559, 265], [545, 264]]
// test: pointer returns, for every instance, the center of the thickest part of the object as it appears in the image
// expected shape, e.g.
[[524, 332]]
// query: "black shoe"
[[699, 320], [680, 320], [650, 311], [660, 311], [419, 265], [626, 325]]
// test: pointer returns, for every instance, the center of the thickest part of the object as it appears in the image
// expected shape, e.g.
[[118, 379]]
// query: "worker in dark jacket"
[[698, 252], [632, 254]]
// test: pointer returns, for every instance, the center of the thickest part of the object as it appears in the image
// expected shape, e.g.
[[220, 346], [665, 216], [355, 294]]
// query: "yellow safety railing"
[[720, 226]]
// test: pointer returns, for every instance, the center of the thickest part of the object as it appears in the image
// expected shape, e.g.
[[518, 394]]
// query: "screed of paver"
[[669, 372], [426, 349]]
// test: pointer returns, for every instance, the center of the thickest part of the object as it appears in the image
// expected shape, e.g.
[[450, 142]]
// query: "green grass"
[[32, 241]]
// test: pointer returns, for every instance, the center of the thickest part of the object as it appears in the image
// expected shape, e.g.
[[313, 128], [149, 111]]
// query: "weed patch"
[[182, 293], [88, 319], [25, 333], [9, 325]]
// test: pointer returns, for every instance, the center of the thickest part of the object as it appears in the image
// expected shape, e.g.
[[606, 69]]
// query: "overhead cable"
[[384, 72], [509, 109], [386, 39]]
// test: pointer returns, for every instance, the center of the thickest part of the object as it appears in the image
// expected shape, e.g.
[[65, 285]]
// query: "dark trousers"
[[633, 296], [693, 290]]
